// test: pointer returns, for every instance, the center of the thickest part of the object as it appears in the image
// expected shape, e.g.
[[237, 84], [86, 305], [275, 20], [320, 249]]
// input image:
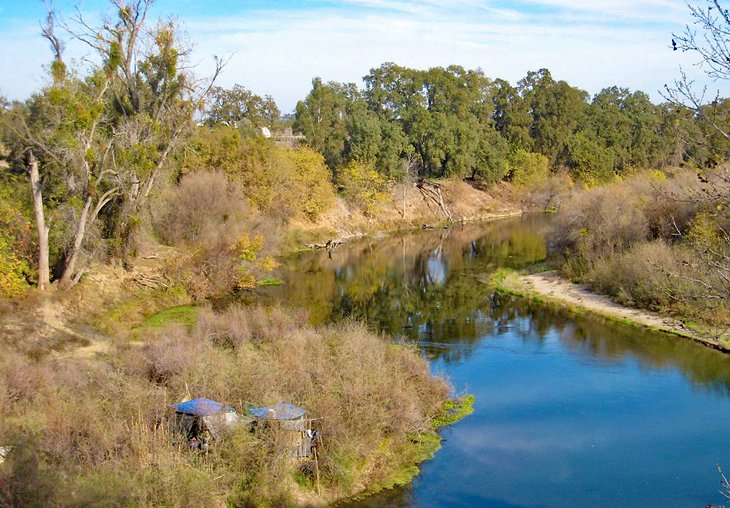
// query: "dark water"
[[569, 411]]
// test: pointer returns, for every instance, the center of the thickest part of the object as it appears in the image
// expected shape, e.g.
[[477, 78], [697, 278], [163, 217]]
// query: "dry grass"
[[634, 240], [86, 432]]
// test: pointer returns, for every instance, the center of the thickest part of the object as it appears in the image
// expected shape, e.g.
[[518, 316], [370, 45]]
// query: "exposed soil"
[[430, 206]]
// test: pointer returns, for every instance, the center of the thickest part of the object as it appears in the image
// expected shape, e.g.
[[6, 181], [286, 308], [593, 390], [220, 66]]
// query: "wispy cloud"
[[278, 48]]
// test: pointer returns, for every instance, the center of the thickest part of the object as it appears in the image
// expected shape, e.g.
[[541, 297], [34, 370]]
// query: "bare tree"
[[40, 220], [708, 36]]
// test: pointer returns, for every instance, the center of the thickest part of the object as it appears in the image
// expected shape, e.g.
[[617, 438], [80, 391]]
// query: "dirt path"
[[555, 287]]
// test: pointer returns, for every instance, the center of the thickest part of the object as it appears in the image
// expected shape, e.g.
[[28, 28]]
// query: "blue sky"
[[277, 47]]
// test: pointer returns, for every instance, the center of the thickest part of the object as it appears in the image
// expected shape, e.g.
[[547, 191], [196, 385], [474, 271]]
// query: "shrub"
[[204, 208], [89, 431], [206, 216], [364, 186], [640, 276], [18, 250], [650, 241], [527, 169], [14, 272], [597, 223]]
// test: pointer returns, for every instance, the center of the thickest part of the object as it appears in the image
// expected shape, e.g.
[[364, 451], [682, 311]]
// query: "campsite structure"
[[293, 420], [201, 419]]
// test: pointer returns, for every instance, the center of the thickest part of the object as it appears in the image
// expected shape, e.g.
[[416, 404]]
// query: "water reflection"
[[570, 411], [425, 287]]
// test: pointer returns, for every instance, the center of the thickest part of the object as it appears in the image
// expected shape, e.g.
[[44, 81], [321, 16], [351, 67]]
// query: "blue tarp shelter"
[[202, 407], [198, 417], [290, 418], [280, 411]]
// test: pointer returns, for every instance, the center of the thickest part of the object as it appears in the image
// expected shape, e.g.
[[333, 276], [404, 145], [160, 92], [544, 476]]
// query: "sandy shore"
[[559, 289]]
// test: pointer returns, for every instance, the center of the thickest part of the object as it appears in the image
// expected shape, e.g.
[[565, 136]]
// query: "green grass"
[[304, 480], [183, 314], [454, 410], [271, 281], [135, 308]]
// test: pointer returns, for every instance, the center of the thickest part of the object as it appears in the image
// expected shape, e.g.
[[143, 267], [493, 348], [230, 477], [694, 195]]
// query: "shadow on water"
[[570, 411]]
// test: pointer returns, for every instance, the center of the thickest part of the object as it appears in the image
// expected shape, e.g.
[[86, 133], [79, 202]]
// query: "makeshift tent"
[[202, 407], [283, 411], [291, 418], [196, 417]]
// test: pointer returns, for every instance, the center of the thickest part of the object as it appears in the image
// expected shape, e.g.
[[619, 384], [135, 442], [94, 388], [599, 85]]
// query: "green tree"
[[588, 160], [628, 124], [511, 114], [364, 186], [321, 117], [556, 109], [527, 168], [238, 106], [105, 135]]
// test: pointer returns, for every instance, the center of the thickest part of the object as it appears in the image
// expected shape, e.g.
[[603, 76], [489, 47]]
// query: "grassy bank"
[[87, 429], [549, 288]]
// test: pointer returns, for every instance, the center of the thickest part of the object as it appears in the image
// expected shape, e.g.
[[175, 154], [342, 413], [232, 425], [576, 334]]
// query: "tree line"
[[454, 122]]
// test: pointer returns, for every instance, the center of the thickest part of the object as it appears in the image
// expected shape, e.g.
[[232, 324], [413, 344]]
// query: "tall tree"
[[238, 105], [556, 109], [106, 135], [321, 117]]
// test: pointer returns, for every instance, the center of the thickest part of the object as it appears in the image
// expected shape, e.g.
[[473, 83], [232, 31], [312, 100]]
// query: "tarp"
[[280, 411], [201, 407], [219, 423]]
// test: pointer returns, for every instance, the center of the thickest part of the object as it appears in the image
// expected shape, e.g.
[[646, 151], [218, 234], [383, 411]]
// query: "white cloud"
[[590, 44], [278, 52]]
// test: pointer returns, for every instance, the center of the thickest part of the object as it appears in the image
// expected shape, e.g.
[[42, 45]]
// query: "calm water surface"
[[569, 411]]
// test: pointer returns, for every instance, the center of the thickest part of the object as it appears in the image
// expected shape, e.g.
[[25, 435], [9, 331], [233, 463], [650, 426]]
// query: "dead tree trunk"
[[434, 194], [40, 220], [73, 256]]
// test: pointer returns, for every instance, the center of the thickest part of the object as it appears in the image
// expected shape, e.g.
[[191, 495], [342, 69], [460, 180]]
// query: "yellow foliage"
[[12, 272], [364, 186], [527, 168], [247, 249], [311, 181], [279, 181], [658, 175], [704, 232], [267, 264], [16, 246]]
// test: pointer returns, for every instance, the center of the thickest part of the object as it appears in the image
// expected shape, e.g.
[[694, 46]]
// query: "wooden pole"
[[316, 470]]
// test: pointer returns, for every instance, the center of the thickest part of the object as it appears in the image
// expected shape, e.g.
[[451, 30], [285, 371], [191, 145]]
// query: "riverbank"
[[552, 289], [163, 350], [440, 203], [138, 322]]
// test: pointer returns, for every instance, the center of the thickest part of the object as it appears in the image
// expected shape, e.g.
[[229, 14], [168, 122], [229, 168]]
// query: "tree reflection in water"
[[425, 288]]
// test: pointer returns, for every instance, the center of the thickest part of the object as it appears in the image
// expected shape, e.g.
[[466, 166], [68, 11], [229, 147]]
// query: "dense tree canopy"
[[453, 122]]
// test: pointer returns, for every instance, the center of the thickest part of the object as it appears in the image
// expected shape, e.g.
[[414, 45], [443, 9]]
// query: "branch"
[[103, 200], [48, 32]]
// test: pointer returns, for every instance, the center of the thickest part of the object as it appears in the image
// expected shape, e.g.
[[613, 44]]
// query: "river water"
[[570, 411]]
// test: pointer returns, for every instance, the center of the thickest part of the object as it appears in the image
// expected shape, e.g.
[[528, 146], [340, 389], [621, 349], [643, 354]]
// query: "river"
[[570, 411]]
